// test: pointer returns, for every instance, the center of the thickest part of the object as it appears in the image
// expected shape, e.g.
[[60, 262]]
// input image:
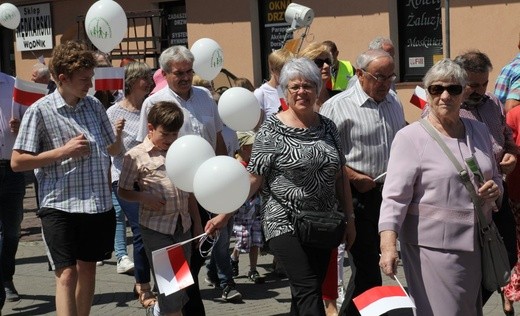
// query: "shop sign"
[[35, 29]]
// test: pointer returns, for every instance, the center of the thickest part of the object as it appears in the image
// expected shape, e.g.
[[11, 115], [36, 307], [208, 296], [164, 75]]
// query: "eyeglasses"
[[321, 62], [307, 88], [181, 74], [381, 78], [437, 89]]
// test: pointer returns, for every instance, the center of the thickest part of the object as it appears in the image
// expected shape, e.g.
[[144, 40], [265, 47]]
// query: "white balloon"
[[239, 109], [209, 58], [105, 25], [183, 159], [221, 184], [9, 16]]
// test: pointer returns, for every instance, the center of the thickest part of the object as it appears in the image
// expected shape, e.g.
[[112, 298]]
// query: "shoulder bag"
[[496, 271]]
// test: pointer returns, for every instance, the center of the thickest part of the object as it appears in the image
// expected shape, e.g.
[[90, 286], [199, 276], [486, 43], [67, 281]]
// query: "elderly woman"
[[426, 203], [138, 83], [296, 158]]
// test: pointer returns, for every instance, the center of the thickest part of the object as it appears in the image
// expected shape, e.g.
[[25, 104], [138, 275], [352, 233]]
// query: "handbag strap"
[[463, 173]]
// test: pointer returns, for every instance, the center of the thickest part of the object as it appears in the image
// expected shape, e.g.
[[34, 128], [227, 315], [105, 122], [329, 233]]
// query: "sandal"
[[145, 296]]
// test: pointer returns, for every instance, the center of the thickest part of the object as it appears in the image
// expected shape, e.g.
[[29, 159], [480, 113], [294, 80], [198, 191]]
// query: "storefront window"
[[420, 37]]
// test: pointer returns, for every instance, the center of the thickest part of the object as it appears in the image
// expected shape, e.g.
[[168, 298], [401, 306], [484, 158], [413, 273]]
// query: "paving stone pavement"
[[114, 295]]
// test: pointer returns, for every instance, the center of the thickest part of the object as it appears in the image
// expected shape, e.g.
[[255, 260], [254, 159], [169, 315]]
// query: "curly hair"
[[69, 57]]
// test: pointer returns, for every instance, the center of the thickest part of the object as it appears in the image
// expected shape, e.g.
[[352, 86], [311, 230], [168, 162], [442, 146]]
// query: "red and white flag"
[[172, 271], [283, 103], [419, 97], [26, 92], [109, 78], [381, 299]]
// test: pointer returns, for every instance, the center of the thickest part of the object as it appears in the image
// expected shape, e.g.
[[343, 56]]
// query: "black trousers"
[[306, 268], [366, 248]]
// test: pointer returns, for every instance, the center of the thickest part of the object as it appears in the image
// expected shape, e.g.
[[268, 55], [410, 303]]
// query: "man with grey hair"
[[41, 74], [368, 115], [200, 118], [383, 43]]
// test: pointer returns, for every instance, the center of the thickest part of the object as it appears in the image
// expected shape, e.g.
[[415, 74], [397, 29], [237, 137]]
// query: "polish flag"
[[283, 103], [26, 92], [419, 97], [172, 271], [109, 78], [381, 299]]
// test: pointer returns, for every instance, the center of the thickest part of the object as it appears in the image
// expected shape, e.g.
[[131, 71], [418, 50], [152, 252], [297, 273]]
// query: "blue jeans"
[[120, 239], [12, 193], [219, 265], [141, 263]]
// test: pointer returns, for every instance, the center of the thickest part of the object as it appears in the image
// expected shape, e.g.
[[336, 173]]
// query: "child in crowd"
[[248, 224], [166, 213]]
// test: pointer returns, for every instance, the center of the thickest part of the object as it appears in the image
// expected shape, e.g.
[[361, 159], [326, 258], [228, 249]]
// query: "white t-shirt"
[[269, 99]]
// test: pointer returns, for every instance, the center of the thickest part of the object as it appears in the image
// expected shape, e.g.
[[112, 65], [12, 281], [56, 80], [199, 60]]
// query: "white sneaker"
[[99, 263], [125, 265]]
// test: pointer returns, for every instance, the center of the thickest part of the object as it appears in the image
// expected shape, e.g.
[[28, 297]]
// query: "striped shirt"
[[144, 164], [507, 85], [200, 113], [116, 112], [74, 185], [366, 128]]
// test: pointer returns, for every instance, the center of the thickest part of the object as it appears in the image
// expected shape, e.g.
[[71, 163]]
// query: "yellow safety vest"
[[343, 75]]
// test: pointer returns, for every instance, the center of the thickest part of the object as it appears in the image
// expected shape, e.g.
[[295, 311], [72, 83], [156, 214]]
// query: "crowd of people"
[[332, 137]]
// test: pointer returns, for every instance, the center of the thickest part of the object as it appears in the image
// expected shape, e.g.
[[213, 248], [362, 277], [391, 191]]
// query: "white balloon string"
[[209, 239]]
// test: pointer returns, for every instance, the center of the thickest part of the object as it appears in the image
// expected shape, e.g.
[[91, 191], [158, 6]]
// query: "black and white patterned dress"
[[299, 166]]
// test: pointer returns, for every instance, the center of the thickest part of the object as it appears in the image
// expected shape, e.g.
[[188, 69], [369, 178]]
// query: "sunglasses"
[[437, 89], [321, 62]]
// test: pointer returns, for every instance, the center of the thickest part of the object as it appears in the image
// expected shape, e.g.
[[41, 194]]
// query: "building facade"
[[248, 29]]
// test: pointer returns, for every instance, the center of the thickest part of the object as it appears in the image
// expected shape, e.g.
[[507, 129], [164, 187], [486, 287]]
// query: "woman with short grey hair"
[[297, 158]]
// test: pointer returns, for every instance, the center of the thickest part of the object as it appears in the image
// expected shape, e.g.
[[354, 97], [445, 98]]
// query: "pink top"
[[424, 200]]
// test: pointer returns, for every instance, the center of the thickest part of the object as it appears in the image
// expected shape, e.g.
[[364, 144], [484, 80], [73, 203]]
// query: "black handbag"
[[319, 229]]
